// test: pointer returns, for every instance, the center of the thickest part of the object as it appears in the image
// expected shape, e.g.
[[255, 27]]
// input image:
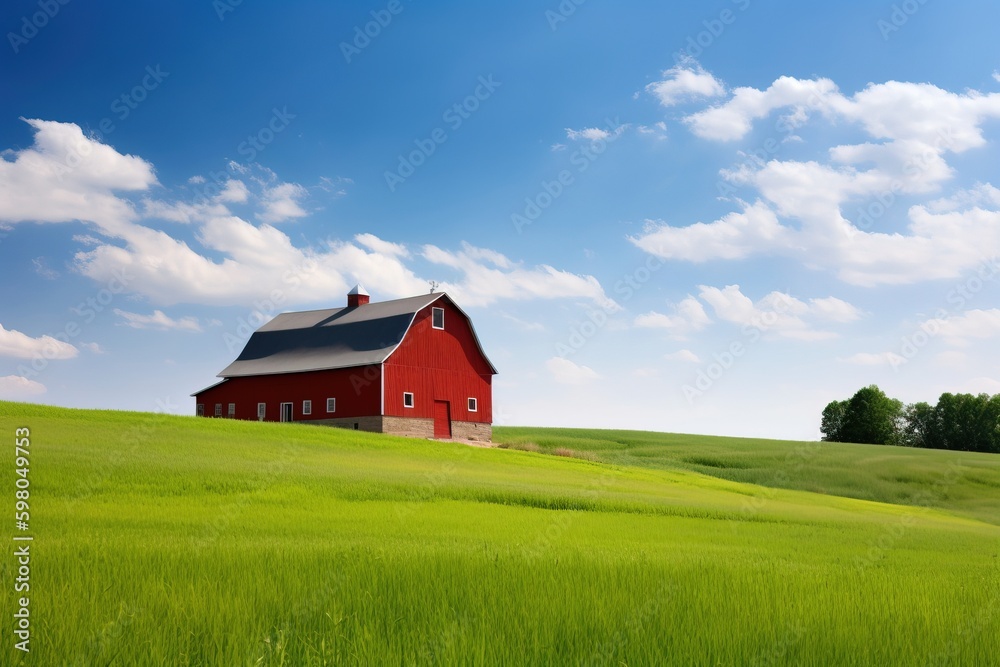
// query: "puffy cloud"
[[962, 329], [565, 371], [689, 316], [488, 276], [158, 320], [834, 309], [827, 213], [238, 263], [21, 346], [734, 236], [686, 81], [235, 192], [734, 118], [281, 202], [17, 388], [777, 312], [375, 244], [66, 176]]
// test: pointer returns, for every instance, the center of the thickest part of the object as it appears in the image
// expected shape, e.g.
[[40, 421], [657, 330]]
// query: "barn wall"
[[444, 365], [357, 391]]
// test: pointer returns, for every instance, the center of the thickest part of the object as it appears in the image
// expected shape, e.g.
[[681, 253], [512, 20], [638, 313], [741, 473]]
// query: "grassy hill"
[[172, 540], [966, 483]]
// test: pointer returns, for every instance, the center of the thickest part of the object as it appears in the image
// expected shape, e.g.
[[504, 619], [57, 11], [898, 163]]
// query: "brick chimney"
[[357, 297]]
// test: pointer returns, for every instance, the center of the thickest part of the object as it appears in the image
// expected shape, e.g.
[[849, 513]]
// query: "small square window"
[[232, 410], [218, 409], [437, 318], [331, 405], [407, 399], [473, 405], [201, 410], [261, 411], [307, 407]]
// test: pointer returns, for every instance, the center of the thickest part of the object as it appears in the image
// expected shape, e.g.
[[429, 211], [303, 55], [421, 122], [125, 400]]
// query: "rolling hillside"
[[172, 540]]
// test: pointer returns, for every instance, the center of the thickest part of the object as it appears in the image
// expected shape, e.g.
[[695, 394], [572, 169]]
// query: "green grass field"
[[181, 541]]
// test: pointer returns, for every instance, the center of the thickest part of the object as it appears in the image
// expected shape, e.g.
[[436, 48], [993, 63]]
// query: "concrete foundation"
[[408, 426]]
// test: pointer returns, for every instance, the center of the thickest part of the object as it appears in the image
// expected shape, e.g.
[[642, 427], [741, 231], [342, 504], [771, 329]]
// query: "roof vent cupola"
[[357, 297]]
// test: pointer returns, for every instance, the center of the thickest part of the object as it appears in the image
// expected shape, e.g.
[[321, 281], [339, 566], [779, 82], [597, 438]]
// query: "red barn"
[[410, 366]]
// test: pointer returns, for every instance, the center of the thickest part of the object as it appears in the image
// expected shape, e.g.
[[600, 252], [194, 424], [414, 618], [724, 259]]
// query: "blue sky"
[[707, 218]]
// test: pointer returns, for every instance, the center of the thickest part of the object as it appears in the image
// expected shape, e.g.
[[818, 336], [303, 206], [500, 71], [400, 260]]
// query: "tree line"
[[963, 422]]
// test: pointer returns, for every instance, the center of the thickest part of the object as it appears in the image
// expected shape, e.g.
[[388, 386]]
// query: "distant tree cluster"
[[964, 422]]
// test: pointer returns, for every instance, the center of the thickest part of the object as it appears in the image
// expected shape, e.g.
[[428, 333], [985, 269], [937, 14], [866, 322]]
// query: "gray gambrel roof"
[[317, 340]]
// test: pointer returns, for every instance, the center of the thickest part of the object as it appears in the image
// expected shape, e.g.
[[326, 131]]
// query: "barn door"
[[286, 412], [442, 419]]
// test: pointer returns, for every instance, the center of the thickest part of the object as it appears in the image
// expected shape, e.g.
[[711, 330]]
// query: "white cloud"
[[683, 355], [817, 211], [874, 359], [238, 262], [733, 119], [982, 195], [734, 236], [962, 329], [834, 309], [20, 346], [43, 270], [565, 371], [375, 244], [596, 133], [684, 82], [777, 312], [235, 192], [17, 388], [159, 321], [93, 348], [488, 276], [589, 133], [86, 239], [196, 180], [658, 130], [281, 203], [67, 176], [689, 316]]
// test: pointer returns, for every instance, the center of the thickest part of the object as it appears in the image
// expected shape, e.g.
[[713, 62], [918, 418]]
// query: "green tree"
[[921, 427], [872, 417], [833, 420]]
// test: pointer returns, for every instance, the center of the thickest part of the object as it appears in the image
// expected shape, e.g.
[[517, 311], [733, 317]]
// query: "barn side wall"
[[357, 392]]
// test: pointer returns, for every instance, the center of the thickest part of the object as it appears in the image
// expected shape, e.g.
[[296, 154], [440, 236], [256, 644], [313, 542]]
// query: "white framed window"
[[407, 399], [200, 411], [331, 405], [473, 405], [437, 318], [261, 411], [307, 407], [218, 409], [232, 410]]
